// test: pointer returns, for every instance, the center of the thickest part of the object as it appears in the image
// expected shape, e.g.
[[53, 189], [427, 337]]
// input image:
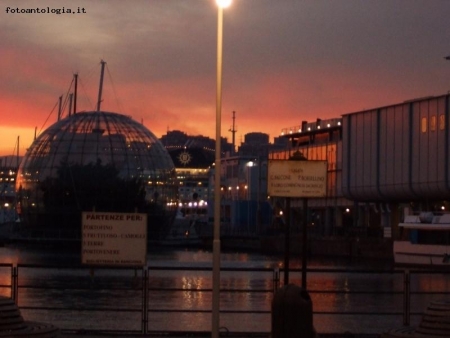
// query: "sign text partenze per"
[[110, 238]]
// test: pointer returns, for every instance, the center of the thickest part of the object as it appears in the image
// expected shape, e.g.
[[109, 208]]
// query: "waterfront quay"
[[208, 334], [171, 296]]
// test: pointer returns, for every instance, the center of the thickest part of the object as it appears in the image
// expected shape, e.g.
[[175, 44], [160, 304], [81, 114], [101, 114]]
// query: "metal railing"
[[143, 296]]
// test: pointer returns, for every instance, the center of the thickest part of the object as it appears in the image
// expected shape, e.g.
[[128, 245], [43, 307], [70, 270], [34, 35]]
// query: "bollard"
[[292, 314]]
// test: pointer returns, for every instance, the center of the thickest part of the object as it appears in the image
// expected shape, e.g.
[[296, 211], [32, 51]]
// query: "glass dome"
[[98, 161]]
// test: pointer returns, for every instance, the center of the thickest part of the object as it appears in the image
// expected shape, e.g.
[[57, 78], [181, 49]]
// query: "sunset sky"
[[284, 61]]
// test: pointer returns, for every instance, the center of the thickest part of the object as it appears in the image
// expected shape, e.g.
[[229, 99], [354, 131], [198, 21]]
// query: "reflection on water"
[[180, 300], [161, 256]]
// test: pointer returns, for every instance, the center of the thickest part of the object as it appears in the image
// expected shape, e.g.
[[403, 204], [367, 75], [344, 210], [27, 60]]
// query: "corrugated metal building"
[[383, 163], [397, 153], [396, 158]]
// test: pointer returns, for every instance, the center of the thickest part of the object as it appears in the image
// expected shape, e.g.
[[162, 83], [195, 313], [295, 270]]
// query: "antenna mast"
[[233, 132], [100, 88], [18, 147]]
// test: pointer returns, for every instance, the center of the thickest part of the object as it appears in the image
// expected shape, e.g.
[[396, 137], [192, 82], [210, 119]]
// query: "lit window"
[[441, 122], [433, 123], [423, 125]]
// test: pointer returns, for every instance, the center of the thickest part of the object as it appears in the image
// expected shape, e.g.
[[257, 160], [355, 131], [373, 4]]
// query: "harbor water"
[[346, 295]]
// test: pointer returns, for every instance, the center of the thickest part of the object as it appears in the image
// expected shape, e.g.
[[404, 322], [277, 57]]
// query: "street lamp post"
[[216, 241], [249, 166]]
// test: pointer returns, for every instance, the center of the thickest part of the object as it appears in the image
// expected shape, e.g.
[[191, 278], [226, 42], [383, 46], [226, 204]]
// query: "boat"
[[425, 240], [183, 232]]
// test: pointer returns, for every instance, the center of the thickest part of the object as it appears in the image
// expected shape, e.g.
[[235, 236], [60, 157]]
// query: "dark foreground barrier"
[[435, 323], [176, 300], [12, 324], [292, 313]]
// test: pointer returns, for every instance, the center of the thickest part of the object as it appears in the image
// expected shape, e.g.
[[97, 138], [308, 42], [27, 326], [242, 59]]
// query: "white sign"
[[110, 238], [297, 178]]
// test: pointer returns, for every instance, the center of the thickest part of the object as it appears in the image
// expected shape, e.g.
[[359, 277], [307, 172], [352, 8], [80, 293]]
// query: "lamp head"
[[223, 3]]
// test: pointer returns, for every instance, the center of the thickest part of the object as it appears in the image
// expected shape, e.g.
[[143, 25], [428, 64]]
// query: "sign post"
[[287, 241], [302, 179]]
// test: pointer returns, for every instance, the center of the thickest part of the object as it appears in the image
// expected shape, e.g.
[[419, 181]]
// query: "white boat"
[[185, 226], [425, 241]]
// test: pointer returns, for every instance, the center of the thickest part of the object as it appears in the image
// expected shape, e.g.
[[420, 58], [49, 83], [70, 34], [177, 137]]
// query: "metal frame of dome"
[[89, 139]]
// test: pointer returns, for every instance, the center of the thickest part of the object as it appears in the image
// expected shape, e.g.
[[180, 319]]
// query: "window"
[[423, 125], [441, 122], [433, 123]]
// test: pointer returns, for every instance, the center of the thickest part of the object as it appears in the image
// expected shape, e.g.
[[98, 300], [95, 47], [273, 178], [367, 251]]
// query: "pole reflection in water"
[[180, 300]]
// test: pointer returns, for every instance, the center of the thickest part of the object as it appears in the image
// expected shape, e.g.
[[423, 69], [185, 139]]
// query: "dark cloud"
[[296, 59]]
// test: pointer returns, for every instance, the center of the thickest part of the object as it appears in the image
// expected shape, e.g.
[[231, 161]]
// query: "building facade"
[[319, 140], [193, 173], [8, 172], [383, 164], [396, 159]]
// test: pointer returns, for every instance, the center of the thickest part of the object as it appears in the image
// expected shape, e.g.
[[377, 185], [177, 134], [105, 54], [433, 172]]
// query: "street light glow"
[[223, 3]]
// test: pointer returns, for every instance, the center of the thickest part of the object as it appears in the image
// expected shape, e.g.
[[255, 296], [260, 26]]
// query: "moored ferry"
[[425, 240]]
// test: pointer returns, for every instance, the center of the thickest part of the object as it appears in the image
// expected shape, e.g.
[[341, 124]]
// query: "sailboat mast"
[[70, 103], [100, 87], [60, 108], [75, 94]]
